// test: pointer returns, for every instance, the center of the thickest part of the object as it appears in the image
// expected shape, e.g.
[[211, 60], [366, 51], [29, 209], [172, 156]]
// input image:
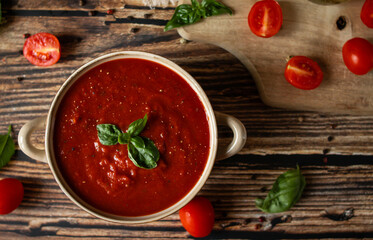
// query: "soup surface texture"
[[120, 92]]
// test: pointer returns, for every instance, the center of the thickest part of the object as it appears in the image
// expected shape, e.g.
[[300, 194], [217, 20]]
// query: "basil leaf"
[[213, 8], [7, 148], [108, 134], [124, 138], [143, 153], [285, 192], [183, 15], [195, 4], [136, 127], [3, 140], [186, 14], [138, 142]]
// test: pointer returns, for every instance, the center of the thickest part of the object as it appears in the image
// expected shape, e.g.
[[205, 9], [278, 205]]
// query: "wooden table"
[[338, 198]]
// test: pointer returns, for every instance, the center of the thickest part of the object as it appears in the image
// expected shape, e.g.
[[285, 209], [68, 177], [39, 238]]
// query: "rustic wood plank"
[[340, 184], [334, 183], [226, 82], [70, 5]]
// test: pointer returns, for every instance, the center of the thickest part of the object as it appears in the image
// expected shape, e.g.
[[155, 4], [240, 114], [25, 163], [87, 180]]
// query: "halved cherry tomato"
[[304, 73], [11, 195], [265, 18], [42, 49], [198, 217], [366, 14], [358, 55]]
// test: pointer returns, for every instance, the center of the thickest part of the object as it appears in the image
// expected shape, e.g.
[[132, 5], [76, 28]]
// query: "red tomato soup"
[[120, 92]]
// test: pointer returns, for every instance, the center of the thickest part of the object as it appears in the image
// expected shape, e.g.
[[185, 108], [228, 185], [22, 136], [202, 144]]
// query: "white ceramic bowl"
[[48, 122]]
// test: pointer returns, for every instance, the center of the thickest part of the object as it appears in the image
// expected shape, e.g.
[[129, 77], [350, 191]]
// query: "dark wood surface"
[[338, 199]]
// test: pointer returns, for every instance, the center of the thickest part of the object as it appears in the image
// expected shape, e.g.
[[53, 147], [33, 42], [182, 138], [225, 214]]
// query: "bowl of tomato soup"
[[119, 89]]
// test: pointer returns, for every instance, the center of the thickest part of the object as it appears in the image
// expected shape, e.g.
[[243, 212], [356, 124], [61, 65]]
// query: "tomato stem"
[[288, 58]]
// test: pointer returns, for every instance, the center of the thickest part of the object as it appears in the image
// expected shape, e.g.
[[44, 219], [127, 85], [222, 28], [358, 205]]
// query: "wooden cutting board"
[[308, 29]]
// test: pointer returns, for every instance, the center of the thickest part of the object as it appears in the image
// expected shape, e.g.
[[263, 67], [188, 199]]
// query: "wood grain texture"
[[226, 81], [344, 182], [308, 30]]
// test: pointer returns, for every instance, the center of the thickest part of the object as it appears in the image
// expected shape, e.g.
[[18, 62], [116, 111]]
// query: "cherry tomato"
[[358, 55], [304, 73], [265, 18], [198, 217], [11, 195], [42, 49], [366, 14]]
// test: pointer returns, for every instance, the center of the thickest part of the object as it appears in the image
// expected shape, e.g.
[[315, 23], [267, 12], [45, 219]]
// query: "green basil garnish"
[[285, 192], [213, 8], [124, 138], [108, 134], [137, 126], [186, 14], [141, 150], [7, 148]]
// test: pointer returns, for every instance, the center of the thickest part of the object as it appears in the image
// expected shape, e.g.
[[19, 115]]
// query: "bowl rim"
[[50, 126]]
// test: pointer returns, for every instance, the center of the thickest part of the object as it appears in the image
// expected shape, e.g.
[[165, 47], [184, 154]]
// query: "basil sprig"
[[6, 147], [285, 192], [141, 150], [186, 14], [108, 134]]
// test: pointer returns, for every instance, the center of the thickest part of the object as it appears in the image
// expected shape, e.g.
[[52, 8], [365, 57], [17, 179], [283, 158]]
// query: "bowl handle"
[[239, 136], [24, 139]]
